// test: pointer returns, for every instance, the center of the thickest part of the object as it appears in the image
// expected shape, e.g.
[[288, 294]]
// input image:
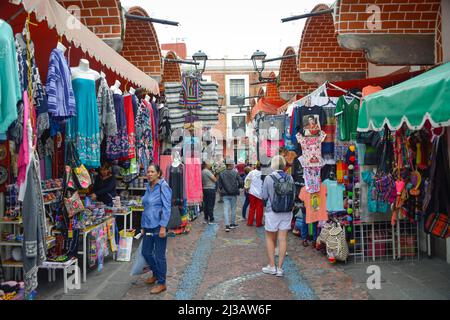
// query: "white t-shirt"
[[256, 184]]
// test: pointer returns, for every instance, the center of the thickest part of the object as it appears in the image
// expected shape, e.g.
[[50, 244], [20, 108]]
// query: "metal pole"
[[136, 17], [307, 15], [280, 58], [182, 61]]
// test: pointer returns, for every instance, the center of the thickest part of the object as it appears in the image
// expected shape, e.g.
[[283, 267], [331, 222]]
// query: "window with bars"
[[237, 91]]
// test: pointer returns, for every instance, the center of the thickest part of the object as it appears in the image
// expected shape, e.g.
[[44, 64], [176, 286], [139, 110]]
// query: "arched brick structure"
[[171, 70], [141, 45], [272, 88], [399, 33], [103, 17], [321, 58], [261, 93], [290, 82]]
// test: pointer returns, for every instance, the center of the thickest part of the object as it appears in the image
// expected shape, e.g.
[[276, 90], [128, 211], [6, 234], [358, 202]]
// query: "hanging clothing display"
[[10, 92], [144, 140], [107, 114], [129, 116], [193, 173], [311, 150], [347, 110], [309, 120], [39, 95], [24, 150], [34, 249], [315, 204], [311, 176], [60, 96], [176, 183], [117, 146], [335, 195], [84, 129], [375, 203]]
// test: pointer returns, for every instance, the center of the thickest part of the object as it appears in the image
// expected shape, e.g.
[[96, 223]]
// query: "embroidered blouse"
[[61, 100]]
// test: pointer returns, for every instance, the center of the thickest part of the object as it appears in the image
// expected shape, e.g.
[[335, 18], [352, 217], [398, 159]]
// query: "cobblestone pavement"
[[209, 263]]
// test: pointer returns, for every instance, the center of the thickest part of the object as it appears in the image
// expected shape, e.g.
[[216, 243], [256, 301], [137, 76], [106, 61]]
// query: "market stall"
[[62, 125]]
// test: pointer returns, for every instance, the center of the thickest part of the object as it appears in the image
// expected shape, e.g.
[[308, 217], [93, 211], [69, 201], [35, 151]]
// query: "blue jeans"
[[304, 230], [154, 252], [229, 206], [245, 206]]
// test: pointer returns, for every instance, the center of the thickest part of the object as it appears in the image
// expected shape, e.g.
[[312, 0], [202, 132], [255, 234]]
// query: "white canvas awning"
[[66, 24]]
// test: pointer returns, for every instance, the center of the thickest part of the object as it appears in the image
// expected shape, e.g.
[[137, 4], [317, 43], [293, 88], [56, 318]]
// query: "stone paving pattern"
[[209, 263]]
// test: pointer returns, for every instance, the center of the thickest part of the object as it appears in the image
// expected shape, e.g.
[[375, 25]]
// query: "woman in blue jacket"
[[156, 215]]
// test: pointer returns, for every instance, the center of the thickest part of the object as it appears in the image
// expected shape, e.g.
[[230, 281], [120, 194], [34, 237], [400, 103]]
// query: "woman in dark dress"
[[104, 185]]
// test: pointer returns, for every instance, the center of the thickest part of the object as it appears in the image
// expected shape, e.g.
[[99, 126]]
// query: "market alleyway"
[[209, 263]]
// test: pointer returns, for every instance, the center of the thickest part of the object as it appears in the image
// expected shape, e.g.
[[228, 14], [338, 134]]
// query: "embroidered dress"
[[107, 114], [129, 116], [83, 129], [60, 96], [312, 179], [311, 150], [117, 146], [144, 142]]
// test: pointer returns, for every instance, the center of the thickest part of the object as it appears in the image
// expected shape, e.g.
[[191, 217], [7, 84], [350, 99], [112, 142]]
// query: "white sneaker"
[[269, 270], [280, 272]]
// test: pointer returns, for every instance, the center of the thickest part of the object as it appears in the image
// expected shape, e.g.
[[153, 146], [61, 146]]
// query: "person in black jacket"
[[104, 185], [229, 184]]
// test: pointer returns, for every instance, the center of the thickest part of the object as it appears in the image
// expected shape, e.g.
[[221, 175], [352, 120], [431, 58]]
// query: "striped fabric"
[[60, 97]]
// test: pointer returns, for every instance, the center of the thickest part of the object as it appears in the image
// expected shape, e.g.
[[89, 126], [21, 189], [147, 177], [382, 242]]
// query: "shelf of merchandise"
[[11, 243], [11, 221], [51, 202], [140, 177], [12, 264], [136, 189], [50, 190]]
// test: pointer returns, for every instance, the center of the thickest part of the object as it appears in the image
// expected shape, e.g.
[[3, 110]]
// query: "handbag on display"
[[80, 175], [73, 204]]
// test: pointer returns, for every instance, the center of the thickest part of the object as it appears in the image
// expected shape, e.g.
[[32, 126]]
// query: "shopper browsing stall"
[[156, 215]]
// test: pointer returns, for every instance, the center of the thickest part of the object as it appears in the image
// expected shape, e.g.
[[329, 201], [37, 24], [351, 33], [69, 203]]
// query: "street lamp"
[[258, 58], [201, 58]]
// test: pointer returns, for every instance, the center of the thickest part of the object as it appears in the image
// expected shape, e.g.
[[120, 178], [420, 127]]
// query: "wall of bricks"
[[101, 16], [272, 88], [179, 49], [320, 51], [171, 70], [141, 45], [290, 81], [400, 16]]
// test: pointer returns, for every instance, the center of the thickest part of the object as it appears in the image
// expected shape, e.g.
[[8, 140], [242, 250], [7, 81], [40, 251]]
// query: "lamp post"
[[258, 58], [200, 57]]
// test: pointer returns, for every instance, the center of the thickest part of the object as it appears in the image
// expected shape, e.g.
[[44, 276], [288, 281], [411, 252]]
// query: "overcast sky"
[[230, 28]]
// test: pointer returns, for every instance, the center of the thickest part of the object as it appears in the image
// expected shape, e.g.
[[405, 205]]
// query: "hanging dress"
[[144, 141], [84, 128], [129, 116], [117, 145]]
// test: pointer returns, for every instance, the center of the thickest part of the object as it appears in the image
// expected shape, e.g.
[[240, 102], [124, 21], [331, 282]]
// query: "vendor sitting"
[[105, 185]]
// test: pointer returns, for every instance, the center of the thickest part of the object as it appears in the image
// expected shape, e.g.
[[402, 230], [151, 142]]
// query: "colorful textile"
[[10, 92], [190, 92], [24, 151], [312, 179], [60, 95], [272, 147], [315, 204], [311, 150], [375, 202], [144, 140], [107, 114], [117, 146], [129, 116], [193, 181], [83, 129]]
